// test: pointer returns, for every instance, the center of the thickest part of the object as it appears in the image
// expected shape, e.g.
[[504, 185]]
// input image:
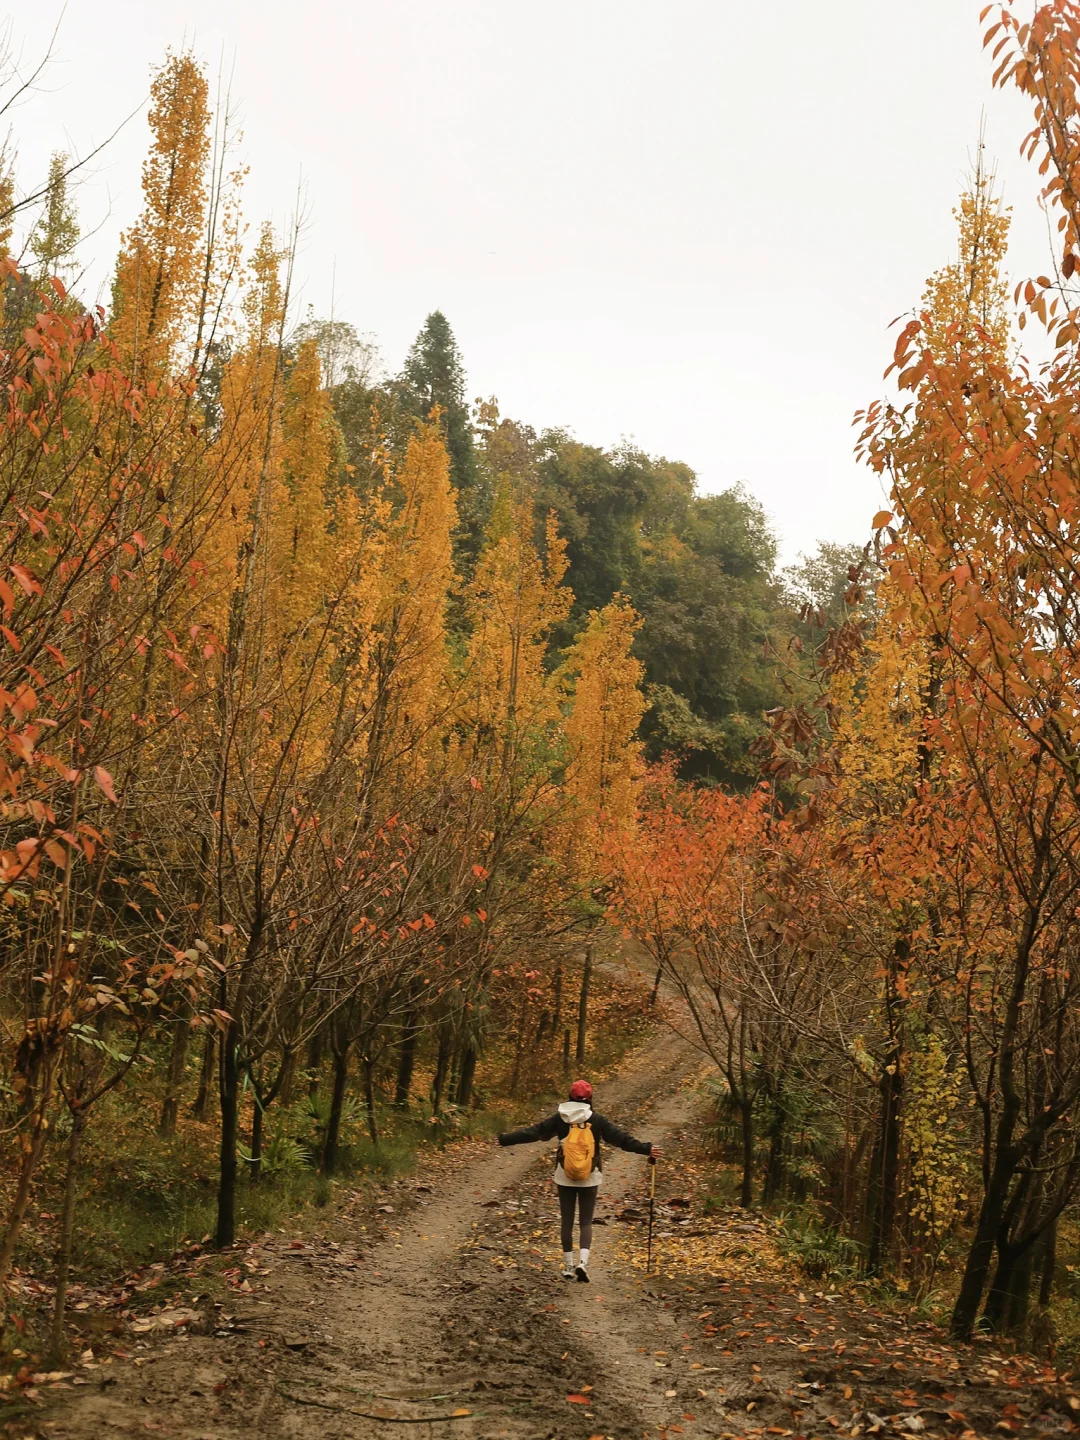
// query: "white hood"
[[575, 1112]]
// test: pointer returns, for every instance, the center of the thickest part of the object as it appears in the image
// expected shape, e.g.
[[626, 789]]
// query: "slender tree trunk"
[[746, 1189], [1016, 1317], [257, 1118], [206, 1076], [656, 987], [17, 1212], [996, 1309], [369, 1100], [515, 1078], [170, 1106], [67, 1233], [774, 1171], [583, 1005], [229, 1086], [556, 1002], [465, 1079], [541, 1029], [1049, 1265], [337, 1103], [442, 1063], [288, 1076], [980, 1253], [406, 1060], [885, 1166], [314, 1062], [566, 1054]]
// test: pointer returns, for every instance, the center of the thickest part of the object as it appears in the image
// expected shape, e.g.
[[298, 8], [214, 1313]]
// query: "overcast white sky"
[[689, 224]]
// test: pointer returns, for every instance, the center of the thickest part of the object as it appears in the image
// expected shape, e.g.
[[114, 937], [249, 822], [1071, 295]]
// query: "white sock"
[[584, 1257], [568, 1259]]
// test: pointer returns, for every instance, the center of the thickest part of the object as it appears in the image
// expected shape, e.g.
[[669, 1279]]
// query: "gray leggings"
[[583, 1197]]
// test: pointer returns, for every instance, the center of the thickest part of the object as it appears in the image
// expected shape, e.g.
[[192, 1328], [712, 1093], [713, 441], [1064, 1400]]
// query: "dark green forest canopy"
[[721, 631]]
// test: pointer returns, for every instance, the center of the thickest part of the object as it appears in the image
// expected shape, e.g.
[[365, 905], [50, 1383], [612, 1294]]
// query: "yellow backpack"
[[579, 1152]]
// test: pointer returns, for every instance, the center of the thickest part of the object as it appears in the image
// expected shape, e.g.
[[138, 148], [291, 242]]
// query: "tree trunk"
[[406, 1060], [206, 1076], [656, 987], [583, 1005], [980, 1254], [519, 1048], [17, 1213], [1016, 1318], [229, 1089], [369, 1100], [314, 1062], [556, 1002], [257, 1117], [998, 1299], [288, 1076], [746, 1189], [442, 1063], [67, 1233], [773, 1183], [170, 1106], [1049, 1265], [337, 1102], [465, 1079], [541, 1029], [885, 1168], [566, 1054]]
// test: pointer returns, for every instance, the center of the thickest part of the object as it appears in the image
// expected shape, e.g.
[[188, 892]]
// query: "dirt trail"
[[429, 1320], [446, 1319]]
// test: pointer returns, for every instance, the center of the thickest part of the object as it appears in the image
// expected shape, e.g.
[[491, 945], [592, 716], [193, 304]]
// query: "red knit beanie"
[[581, 1090]]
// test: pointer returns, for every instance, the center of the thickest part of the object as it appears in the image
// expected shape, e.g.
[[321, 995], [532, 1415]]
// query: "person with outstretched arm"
[[578, 1167]]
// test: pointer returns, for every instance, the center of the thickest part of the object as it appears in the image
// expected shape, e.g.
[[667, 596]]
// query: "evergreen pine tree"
[[434, 375]]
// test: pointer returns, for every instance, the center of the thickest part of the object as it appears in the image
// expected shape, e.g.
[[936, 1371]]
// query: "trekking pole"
[[652, 1206]]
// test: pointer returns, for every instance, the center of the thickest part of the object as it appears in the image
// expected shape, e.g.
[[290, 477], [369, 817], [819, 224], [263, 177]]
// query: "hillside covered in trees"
[[717, 616]]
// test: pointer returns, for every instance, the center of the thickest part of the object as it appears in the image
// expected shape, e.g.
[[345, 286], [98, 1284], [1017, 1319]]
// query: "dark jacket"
[[555, 1125]]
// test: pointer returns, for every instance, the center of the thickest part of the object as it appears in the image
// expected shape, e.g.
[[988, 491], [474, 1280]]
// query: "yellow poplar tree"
[[159, 274], [972, 292], [408, 655], [603, 724], [514, 600], [301, 543]]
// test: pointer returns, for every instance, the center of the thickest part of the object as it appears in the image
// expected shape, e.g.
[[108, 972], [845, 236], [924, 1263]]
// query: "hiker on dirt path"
[[578, 1170]]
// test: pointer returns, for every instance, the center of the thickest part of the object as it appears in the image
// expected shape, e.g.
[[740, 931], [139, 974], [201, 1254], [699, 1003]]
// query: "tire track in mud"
[[349, 1341]]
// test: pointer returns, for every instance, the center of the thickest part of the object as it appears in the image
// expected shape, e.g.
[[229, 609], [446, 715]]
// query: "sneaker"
[[568, 1273], [582, 1274]]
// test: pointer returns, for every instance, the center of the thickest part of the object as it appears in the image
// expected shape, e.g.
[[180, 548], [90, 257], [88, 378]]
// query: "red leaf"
[[578, 1400], [25, 579], [105, 780]]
